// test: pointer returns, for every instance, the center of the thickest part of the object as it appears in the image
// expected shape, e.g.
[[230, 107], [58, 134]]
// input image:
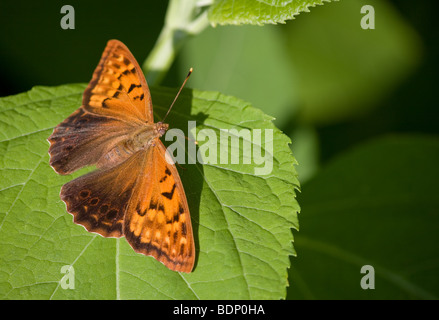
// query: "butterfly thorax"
[[141, 139], [147, 136], [161, 128]]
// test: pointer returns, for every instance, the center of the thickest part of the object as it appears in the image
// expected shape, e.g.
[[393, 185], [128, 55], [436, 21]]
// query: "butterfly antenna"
[[178, 93]]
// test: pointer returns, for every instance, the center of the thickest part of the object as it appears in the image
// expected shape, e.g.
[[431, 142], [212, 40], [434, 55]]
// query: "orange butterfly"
[[135, 192]]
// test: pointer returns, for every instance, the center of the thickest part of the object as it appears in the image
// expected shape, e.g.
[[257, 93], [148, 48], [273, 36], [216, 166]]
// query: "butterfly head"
[[161, 128]]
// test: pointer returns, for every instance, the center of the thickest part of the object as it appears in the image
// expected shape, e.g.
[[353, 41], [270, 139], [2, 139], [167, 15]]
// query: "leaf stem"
[[183, 19]]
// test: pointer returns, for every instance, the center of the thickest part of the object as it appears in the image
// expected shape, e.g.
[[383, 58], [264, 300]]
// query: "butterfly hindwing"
[[98, 200], [157, 220]]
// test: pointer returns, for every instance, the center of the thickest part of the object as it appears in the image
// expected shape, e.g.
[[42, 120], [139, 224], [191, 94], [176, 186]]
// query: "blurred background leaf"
[[228, 57], [374, 205], [344, 70]]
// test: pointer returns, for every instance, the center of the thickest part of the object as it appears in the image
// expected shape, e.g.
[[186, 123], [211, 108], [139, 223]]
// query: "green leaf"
[[375, 205], [242, 221], [236, 12]]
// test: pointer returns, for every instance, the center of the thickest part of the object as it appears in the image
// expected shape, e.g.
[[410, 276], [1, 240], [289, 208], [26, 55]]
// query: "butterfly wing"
[[157, 220], [115, 103], [85, 139], [127, 200], [118, 87], [98, 200]]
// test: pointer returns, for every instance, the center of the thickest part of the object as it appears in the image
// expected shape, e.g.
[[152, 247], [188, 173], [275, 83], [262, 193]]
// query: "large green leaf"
[[258, 12], [375, 205], [242, 221]]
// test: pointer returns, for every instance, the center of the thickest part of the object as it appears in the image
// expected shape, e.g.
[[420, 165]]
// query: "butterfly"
[[134, 192]]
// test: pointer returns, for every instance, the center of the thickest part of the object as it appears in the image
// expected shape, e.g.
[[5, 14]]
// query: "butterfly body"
[[135, 192], [141, 139], [148, 135]]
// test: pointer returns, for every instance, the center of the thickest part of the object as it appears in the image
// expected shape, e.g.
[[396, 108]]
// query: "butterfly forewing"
[[135, 192], [118, 87], [115, 104], [84, 139]]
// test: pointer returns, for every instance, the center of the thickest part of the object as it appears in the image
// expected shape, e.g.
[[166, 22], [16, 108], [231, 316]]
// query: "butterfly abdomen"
[[119, 153]]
